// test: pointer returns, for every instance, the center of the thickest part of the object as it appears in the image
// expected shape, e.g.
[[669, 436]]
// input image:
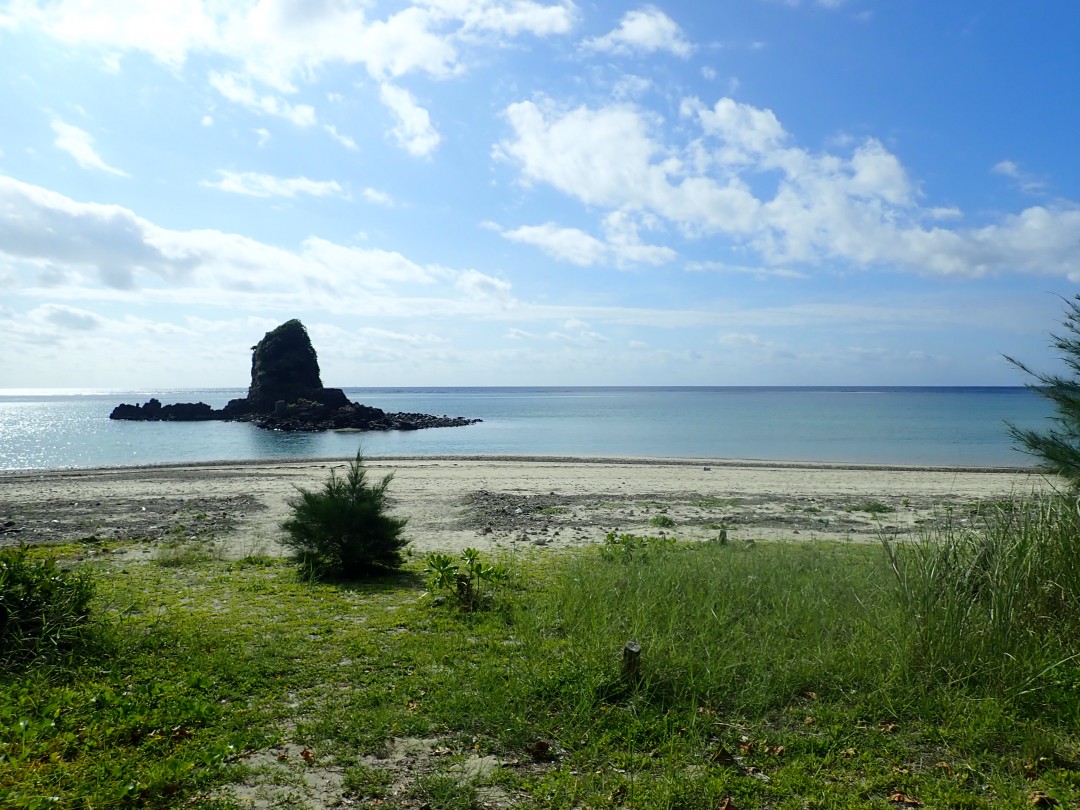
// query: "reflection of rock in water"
[[287, 394]]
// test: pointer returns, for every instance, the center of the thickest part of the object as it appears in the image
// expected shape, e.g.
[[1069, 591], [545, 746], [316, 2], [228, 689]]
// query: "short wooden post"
[[631, 661]]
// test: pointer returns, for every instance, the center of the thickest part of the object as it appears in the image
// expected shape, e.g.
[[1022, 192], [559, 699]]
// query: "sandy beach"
[[496, 502]]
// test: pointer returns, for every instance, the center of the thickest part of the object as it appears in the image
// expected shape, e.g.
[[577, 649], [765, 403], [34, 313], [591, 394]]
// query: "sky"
[[529, 192]]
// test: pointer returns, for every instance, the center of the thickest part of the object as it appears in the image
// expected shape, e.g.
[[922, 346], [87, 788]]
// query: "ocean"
[[52, 429]]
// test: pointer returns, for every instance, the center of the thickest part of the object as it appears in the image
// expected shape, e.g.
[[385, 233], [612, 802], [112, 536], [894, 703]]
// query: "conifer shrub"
[[44, 610], [342, 531]]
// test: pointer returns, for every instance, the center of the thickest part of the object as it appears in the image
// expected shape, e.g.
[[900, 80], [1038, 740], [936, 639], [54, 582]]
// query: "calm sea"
[[920, 426]]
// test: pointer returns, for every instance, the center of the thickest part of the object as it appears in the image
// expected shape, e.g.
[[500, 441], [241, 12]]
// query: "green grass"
[[783, 675]]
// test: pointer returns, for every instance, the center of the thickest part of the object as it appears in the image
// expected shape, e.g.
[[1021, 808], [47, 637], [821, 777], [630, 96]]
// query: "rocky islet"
[[286, 393]]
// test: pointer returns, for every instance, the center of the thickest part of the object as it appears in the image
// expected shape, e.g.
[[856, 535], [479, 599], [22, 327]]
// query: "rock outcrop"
[[284, 368], [286, 393]]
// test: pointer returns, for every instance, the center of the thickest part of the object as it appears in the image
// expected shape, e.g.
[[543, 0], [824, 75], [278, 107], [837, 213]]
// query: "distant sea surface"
[[51, 429]]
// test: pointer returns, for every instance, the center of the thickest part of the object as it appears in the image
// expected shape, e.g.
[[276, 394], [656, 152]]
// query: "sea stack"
[[285, 369], [286, 393]]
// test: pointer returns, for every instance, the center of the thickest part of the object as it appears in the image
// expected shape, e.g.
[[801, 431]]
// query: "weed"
[[44, 610], [446, 792], [662, 522], [472, 583], [870, 507], [364, 782], [554, 510], [714, 503], [633, 547]]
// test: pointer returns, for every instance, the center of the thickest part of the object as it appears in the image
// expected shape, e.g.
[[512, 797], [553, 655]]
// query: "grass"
[[782, 675]]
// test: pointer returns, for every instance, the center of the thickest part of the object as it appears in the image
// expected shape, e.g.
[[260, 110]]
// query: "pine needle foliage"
[[342, 531], [1058, 448]]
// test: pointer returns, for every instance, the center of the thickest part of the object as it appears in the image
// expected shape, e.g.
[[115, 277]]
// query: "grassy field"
[[772, 675]]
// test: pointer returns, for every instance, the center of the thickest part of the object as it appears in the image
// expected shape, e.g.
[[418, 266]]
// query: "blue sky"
[[476, 192]]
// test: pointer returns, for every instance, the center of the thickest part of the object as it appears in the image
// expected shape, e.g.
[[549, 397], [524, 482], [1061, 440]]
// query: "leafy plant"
[[870, 507], [472, 582], [343, 530], [43, 609], [632, 546], [1058, 447], [662, 522]]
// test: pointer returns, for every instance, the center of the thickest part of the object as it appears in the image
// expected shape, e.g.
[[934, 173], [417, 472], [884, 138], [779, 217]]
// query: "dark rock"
[[286, 393], [154, 411], [284, 366]]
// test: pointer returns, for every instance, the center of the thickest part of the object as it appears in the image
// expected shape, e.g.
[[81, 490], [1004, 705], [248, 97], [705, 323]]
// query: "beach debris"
[[896, 797], [1041, 799]]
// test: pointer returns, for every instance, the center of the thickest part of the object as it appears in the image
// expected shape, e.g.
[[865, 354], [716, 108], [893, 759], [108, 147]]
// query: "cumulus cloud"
[[480, 285], [622, 246], [413, 130], [239, 90], [566, 244], [345, 140], [609, 157], [254, 184], [645, 30], [280, 44], [1026, 182], [80, 145], [93, 247], [742, 176], [378, 197], [70, 318]]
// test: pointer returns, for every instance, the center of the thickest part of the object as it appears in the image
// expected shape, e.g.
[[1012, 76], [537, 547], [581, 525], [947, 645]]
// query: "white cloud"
[[626, 245], [92, 246], [263, 135], [757, 271], [168, 31], [566, 244], [280, 43], [645, 30], [413, 130], [207, 121], [623, 245], [238, 89], [344, 140], [80, 145], [70, 318], [608, 157], [254, 184], [743, 177], [1026, 182], [480, 285], [373, 195]]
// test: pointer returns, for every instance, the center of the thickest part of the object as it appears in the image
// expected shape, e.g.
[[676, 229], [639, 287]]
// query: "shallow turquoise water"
[[931, 426]]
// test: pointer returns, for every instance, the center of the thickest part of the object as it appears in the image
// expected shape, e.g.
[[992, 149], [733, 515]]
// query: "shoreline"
[[500, 503], [533, 459]]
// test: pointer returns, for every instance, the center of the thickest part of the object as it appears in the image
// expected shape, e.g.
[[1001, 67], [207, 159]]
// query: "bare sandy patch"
[[493, 503]]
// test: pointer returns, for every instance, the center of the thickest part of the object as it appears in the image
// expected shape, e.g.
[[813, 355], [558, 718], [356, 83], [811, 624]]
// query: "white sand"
[[543, 502]]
